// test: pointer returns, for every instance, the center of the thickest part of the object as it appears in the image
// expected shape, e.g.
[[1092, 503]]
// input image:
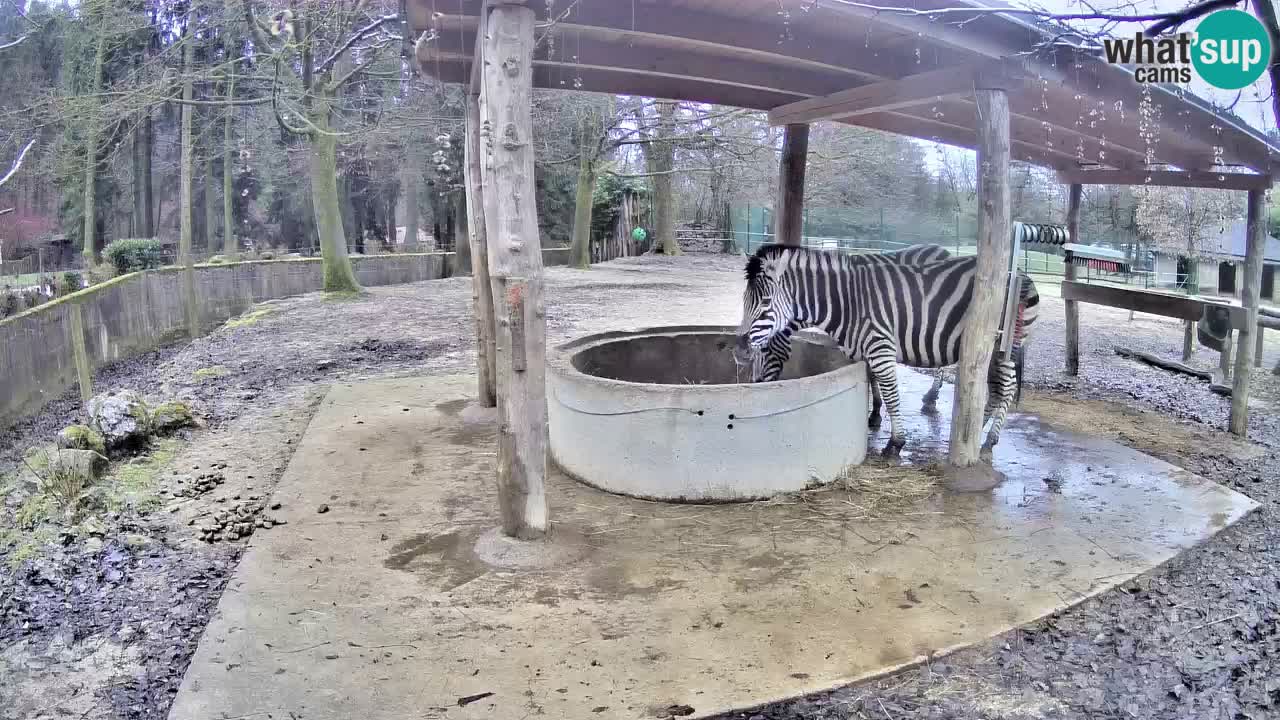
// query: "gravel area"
[[104, 626]]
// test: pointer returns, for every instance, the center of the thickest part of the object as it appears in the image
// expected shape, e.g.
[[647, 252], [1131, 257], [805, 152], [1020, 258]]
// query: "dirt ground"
[[102, 622]]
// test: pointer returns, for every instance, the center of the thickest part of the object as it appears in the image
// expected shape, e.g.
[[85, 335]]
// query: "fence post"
[[80, 352]]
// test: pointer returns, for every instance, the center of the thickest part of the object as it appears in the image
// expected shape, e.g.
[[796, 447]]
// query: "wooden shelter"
[[1001, 85]]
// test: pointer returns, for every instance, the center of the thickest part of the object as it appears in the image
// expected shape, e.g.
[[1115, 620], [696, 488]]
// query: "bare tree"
[[322, 57]]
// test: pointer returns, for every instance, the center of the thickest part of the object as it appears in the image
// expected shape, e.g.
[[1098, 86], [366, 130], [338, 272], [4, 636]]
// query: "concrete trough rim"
[[561, 361]]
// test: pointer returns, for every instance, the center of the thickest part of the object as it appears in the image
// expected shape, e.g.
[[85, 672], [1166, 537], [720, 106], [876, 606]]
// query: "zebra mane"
[[755, 263]]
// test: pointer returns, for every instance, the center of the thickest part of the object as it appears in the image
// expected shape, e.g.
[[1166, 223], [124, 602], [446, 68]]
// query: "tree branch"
[[15, 43], [17, 163], [1267, 13], [357, 37]]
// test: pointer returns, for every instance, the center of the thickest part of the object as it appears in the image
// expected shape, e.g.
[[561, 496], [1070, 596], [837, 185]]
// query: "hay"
[[867, 492]]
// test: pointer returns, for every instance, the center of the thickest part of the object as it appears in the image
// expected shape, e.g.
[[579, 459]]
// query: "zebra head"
[[767, 306]]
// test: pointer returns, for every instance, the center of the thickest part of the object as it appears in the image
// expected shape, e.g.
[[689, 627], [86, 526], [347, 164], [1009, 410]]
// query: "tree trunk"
[[1072, 307], [91, 159], [186, 170], [477, 241], [210, 193], [138, 222], [443, 233], [338, 275], [662, 163], [795, 155], [229, 245], [580, 247], [990, 279], [412, 174], [515, 259], [1256, 229], [149, 210]]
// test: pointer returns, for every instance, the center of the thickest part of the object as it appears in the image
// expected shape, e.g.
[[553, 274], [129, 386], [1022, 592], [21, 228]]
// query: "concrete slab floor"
[[381, 609]]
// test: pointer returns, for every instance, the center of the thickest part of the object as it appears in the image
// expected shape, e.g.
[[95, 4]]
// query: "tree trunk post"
[[91, 160], [186, 231], [1256, 230], [481, 284], [1257, 349], [229, 245], [990, 280], [580, 247], [795, 155], [515, 261], [1224, 359], [1073, 308], [336, 264], [661, 154], [1188, 339]]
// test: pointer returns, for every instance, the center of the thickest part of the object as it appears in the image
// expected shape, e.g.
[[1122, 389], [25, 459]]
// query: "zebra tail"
[[1017, 372]]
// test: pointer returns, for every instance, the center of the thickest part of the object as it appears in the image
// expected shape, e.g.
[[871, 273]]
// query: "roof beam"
[[1167, 178], [881, 96], [950, 134]]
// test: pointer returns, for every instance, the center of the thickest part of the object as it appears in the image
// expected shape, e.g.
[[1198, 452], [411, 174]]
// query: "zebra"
[[779, 349], [876, 309]]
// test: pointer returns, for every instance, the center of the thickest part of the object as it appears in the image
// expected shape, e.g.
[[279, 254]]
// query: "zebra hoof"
[[986, 452], [893, 449], [929, 409], [874, 421]]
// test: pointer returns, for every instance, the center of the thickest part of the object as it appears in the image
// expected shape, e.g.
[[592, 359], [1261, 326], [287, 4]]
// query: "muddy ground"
[[100, 621]]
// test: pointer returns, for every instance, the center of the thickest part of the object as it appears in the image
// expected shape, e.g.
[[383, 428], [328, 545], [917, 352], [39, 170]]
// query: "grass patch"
[[18, 547], [134, 484], [216, 371], [250, 318], [34, 511], [345, 295]]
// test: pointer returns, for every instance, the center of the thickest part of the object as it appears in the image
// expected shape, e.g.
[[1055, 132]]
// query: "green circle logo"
[[1232, 49], [639, 234]]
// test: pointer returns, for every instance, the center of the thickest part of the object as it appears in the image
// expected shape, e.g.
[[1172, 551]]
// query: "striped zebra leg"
[[874, 420], [883, 366], [775, 357], [929, 405], [1003, 383]]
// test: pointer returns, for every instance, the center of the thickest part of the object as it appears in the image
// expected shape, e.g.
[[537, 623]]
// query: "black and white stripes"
[[878, 308]]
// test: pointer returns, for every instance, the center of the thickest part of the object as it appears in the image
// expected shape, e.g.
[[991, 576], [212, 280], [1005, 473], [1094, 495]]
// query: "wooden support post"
[[1188, 339], [1257, 350], [80, 351], [1073, 308], [795, 154], [481, 292], [515, 264], [1256, 231], [1224, 359], [983, 315]]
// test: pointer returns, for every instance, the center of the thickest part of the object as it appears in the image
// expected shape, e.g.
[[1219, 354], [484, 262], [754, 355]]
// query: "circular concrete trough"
[[661, 414]]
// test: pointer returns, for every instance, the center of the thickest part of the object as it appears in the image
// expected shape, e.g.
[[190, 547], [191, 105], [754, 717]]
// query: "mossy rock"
[[170, 417], [82, 437]]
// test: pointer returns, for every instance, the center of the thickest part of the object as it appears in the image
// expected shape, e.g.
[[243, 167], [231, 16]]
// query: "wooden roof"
[[1069, 110]]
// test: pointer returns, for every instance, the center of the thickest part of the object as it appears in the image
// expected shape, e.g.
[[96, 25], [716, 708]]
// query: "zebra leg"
[[1003, 382], [883, 368], [929, 405], [775, 357], [874, 420]]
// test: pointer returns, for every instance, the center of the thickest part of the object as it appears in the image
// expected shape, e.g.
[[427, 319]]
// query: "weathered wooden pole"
[[481, 288], [515, 264], [991, 280], [1224, 359], [1073, 308], [1256, 231], [1188, 339], [1257, 349], [789, 220]]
